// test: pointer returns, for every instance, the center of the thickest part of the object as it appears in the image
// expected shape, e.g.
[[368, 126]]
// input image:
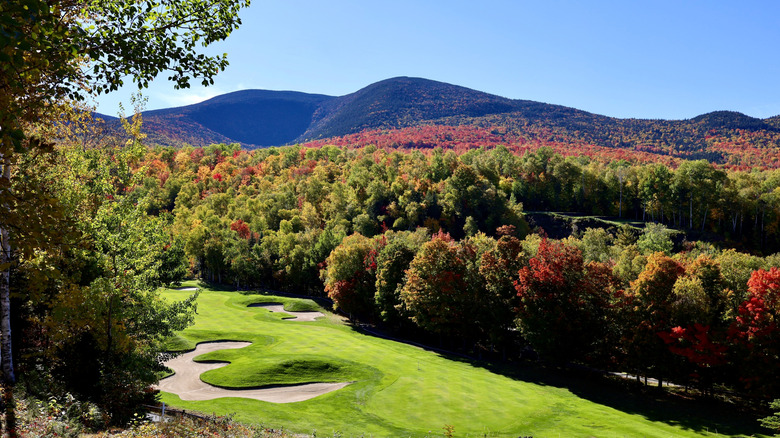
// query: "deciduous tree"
[[561, 313], [441, 287], [66, 49], [652, 297], [350, 275], [757, 332]]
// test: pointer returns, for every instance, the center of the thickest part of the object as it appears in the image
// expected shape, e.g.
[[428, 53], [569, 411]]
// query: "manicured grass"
[[401, 390]]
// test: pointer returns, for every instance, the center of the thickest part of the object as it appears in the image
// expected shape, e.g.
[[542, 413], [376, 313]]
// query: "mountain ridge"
[[260, 118]]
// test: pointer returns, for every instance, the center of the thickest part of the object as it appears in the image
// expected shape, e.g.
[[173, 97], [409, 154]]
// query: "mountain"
[[258, 118], [251, 117], [402, 102]]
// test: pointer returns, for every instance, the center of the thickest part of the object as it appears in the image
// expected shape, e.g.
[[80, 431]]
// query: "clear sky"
[[644, 59]]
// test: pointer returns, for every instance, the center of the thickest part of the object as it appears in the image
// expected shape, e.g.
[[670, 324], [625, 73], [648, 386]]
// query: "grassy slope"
[[401, 390]]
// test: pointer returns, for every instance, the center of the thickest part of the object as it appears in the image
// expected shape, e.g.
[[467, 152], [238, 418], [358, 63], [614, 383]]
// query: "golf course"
[[384, 388]]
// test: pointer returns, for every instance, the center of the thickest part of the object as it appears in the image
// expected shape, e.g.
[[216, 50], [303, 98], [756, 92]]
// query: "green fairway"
[[401, 390]]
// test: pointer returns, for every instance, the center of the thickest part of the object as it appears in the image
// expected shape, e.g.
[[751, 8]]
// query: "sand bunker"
[[298, 316], [185, 288], [187, 385]]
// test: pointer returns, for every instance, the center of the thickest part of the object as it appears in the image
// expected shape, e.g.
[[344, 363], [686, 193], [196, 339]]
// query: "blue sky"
[[643, 59]]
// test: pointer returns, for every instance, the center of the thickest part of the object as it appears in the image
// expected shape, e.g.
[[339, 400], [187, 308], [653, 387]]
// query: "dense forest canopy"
[[438, 242]]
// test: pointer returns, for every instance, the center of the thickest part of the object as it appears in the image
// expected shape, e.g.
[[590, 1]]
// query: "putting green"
[[402, 390]]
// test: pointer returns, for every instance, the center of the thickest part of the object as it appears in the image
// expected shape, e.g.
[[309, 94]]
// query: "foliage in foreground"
[[56, 51], [773, 421], [67, 417], [88, 311], [184, 426]]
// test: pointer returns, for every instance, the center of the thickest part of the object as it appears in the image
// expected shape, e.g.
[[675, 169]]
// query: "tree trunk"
[[755, 226], [741, 221], [690, 214], [6, 350], [763, 216], [680, 215], [704, 219], [9, 377], [109, 331]]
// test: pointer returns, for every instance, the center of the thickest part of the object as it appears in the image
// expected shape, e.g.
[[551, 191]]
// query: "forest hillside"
[[260, 118]]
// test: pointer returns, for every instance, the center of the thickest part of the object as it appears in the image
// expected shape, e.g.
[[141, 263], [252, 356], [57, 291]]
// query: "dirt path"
[[187, 385], [298, 316]]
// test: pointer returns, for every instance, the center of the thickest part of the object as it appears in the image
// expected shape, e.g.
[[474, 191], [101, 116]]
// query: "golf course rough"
[[402, 390]]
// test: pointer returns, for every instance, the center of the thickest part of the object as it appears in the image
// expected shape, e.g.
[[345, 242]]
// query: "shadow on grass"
[[698, 414], [326, 303], [216, 287]]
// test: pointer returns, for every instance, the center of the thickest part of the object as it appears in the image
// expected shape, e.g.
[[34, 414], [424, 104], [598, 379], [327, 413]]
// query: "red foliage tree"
[[695, 344], [561, 312], [241, 228], [756, 332]]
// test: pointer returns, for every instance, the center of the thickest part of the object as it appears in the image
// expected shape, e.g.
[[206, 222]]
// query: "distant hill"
[[402, 102], [252, 117], [258, 118]]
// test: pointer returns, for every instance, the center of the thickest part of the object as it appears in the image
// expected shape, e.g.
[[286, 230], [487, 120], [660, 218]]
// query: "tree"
[[629, 264], [52, 51], [561, 310], [621, 173], [441, 287], [392, 263], [655, 238], [108, 333], [597, 245], [498, 268], [92, 320], [651, 299], [350, 275], [757, 332], [654, 190], [696, 183], [698, 332], [737, 268], [29, 214], [773, 421]]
